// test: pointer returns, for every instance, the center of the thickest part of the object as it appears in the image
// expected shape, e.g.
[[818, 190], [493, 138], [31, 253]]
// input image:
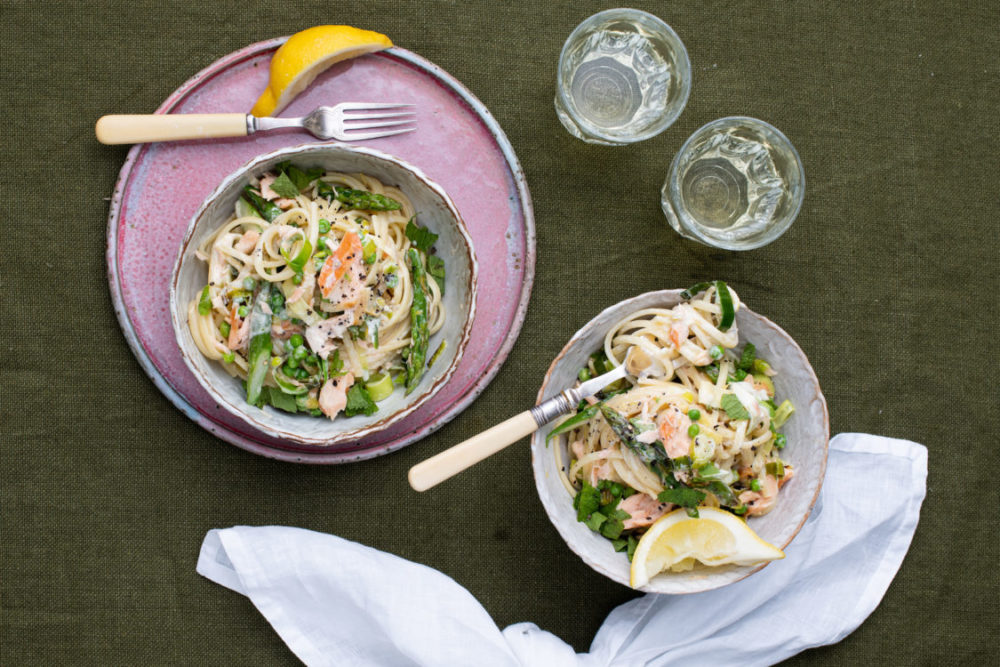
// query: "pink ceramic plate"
[[458, 144]]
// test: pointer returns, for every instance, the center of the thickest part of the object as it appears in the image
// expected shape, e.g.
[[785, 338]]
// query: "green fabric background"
[[888, 280]]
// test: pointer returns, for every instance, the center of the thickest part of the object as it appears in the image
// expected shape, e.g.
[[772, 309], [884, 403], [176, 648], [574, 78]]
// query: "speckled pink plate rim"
[[473, 380]]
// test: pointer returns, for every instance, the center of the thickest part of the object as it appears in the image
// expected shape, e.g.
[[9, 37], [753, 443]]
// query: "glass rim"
[[773, 232], [684, 63]]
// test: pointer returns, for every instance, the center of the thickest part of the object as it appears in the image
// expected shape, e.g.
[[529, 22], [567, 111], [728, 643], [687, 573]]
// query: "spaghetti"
[[322, 292], [695, 425]]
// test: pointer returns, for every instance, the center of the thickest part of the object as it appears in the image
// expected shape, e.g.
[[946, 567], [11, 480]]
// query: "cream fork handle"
[[134, 129], [452, 461]]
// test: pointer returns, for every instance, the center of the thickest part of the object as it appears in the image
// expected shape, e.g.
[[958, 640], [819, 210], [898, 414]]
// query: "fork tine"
[[363, 106], [362, 136], [385, 114], [383, 123]]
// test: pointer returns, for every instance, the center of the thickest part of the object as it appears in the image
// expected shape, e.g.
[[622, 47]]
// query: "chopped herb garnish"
[[421, 237], [587, 502], [435, 268], [359, 401], [283, 187], [632, 544], [594, 521], [686, 497], [747, 358], [613, 527], [731, 404], [300, 178], [279, 399]]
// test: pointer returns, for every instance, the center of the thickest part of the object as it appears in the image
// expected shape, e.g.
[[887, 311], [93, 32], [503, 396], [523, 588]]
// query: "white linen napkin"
[[336, 602]]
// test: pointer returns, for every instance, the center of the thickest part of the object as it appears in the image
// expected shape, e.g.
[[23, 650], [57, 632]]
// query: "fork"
[[345, 122]]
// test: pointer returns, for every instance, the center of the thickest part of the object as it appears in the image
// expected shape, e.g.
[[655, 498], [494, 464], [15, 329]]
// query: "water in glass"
[[623, 76], [736, 183]]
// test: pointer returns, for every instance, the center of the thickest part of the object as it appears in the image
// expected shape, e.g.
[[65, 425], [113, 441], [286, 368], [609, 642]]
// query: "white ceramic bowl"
[[435, 210], [808, 434]]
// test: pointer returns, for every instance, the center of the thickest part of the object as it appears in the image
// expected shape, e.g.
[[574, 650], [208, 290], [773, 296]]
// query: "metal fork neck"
[[548, 410], [255, 124]]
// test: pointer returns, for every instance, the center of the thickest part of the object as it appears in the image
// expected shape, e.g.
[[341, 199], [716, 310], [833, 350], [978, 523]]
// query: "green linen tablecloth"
[[888, 280]]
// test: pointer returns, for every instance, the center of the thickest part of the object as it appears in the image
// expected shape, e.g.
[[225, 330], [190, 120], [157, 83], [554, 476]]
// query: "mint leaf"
[[595, 520], [747, 358], [435, 267], [302, 179], [335, 364], [284, 187], [281, 400], [682, 495], [359, 401], [619, 545], [421, 237], [612, 529], [632, 544], [587, 502], [733, 407]]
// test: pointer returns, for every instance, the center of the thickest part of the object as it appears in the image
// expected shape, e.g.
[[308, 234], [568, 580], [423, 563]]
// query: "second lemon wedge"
[[306, 54], [717, 537]]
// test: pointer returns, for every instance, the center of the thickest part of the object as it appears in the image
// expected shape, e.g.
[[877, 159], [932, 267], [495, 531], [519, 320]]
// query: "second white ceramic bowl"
[[808, 434]]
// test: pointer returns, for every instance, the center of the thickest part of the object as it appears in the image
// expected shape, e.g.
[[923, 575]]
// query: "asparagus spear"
[[259, 355], [418, 323]]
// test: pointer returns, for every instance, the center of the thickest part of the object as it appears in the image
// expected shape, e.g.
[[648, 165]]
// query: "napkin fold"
[[336, 602]]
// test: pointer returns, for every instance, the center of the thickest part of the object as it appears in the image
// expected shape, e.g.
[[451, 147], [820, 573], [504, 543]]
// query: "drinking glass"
[[737, 183], [624, 76]]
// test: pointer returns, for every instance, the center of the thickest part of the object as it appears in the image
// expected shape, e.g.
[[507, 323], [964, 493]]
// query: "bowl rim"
[[538, 443], [293, 152]]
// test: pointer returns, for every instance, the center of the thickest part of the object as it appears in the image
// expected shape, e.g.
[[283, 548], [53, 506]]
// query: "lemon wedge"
[[717, 537], [308, 53]]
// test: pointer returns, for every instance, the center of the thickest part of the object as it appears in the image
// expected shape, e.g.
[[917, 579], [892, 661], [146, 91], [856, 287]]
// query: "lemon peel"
[[306, 55], [676, 542]]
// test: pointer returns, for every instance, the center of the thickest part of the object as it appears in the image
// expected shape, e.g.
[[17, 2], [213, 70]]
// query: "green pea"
[[755, 484], [300, 353], [741, 510], [242, 311], [297, 279], [288, 347], [693, 430], [780, 441], [291, 364], [583, 375], [324, 226], [715, 352], [229, 357], [321, 243], [296, 340], [224, 329], [694, 414], [249, 284]]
